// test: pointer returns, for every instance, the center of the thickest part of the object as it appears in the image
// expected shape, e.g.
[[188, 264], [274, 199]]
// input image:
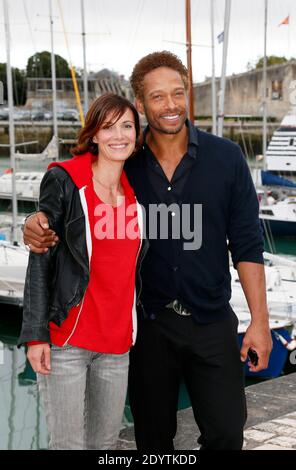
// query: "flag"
[[285, 21], [220, 37]]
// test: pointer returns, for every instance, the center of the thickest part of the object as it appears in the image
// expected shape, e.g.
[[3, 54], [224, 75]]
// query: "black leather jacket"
[[57, 280]]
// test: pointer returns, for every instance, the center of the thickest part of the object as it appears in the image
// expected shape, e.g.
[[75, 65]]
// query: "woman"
[[79, 318]]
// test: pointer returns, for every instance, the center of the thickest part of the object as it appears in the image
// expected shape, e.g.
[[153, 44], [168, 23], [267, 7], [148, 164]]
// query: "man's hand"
[[257, 337], [39, 357], [37, 234]]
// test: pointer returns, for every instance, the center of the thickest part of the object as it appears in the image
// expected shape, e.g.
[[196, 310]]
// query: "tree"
[[272, 60], [18, 82], [39, 65]]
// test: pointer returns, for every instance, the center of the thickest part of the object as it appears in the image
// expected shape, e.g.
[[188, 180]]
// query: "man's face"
[[164, 100]]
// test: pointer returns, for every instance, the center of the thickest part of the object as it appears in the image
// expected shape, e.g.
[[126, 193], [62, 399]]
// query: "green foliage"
[[19, 84], [39, 65], [272, 60]]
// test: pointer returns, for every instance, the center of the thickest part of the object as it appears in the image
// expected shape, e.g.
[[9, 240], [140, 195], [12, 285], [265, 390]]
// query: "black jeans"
[[207, 358]]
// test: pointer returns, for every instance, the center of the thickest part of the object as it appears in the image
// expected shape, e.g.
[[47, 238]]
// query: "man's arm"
[[258, 336], [246, 246]]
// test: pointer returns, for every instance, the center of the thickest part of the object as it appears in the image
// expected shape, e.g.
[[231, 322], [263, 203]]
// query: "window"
[[266, 212], [277, 90]]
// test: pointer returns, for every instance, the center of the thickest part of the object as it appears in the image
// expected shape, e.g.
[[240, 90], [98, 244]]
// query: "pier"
[[271, 423]]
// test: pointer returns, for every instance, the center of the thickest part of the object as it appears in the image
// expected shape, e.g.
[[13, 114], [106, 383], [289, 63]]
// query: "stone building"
[[39, 90], [243, 95]]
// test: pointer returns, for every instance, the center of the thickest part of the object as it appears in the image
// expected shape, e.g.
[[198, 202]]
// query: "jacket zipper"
[[76, 322], [85, 210]]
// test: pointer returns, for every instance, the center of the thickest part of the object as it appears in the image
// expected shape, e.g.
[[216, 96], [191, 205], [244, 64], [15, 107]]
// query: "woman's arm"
[[38, 276]]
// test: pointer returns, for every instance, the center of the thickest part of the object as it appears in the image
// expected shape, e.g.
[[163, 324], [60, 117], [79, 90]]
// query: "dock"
[[271, 423]]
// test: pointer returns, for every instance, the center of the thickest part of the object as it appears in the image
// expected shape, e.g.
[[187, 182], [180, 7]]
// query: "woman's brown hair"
[[97, 115]]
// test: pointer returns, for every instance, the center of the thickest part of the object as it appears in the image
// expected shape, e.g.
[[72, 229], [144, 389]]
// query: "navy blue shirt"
[[213, 175]]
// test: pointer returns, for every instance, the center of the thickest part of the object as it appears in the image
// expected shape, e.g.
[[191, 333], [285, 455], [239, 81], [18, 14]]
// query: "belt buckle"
[[180, 310]]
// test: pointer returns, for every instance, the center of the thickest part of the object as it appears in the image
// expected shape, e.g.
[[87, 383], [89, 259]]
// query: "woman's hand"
[[39, 357]]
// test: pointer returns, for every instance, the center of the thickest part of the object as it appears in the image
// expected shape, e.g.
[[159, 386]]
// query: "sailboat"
[[24, 186], [27, 185], [281, 152], [281, 301], [280, 273], [278, 210], [13, 266]]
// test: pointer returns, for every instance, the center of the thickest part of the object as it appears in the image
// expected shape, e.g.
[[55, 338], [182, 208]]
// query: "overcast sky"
[[119, 32]]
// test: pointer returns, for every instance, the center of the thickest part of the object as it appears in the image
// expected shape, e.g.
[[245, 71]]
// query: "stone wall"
[[243, 94]]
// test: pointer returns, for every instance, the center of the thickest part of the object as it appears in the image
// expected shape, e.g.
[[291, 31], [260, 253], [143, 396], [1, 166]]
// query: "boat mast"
[[224, 63], [189, 59], [264, 85], [53, 76], [85, 87], [11, 122], [214, 104]]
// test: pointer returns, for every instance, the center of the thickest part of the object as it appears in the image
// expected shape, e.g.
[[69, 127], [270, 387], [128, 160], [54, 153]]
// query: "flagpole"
[[53, 75], [224, 63], [289, 48], [85, 79], [189, 59], [264, 86], [11, 121], [214, 104]]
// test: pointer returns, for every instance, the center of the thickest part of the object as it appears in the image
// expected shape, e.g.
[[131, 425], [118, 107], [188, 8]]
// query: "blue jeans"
[[84, 398]]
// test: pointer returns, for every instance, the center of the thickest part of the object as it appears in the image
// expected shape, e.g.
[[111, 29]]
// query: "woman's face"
[[117, 140]]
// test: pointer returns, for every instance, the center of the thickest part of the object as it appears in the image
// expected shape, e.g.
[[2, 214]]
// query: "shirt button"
[[175, 268], [173, 214], [169, 188]]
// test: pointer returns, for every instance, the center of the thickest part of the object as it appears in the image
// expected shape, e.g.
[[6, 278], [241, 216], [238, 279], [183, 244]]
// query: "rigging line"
[[164, 23], [271, 238], [128, 42], [102, 15], [30, 27], [183, 43], [265, 225], [173, 26], [40, 64], [70, 32], [138, 22], [72, 69], [243, 139]]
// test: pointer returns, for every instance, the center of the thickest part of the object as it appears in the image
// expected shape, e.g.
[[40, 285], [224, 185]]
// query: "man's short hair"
[[151, 62]]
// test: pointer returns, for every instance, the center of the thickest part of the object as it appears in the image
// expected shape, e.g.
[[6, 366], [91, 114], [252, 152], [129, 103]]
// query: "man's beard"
[[164, 130]]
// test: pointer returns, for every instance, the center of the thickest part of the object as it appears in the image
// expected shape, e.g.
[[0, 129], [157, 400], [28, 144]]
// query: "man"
[[187, 329]]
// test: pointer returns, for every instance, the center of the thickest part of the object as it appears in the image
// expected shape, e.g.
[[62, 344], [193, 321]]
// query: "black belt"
[[178, 308]]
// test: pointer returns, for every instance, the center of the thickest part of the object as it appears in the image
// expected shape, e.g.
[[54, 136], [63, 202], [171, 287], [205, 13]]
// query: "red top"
[[102, 322]]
